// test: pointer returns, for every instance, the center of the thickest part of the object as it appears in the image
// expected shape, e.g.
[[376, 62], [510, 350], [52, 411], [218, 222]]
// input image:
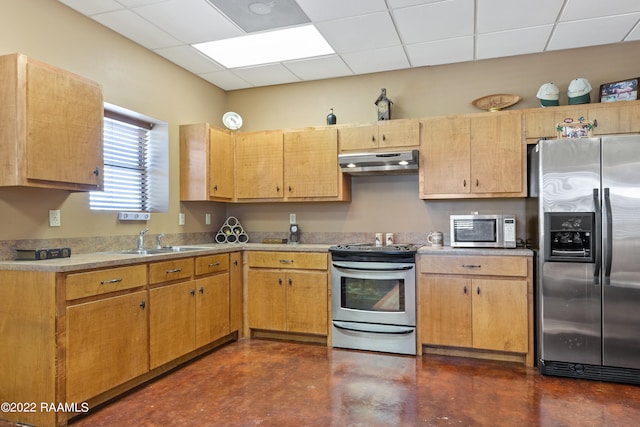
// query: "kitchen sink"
[[155, 251]]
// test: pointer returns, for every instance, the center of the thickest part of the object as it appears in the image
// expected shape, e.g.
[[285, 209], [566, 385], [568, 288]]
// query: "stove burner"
[[365, 252], [367, 247]]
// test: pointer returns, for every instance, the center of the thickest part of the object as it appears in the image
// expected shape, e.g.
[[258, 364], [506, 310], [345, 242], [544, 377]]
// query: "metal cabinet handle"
[[279, 281], [177, 270], [478, 290], [235, 262], [465, 290], [290, 282], [286, 261], [277, 188], [96, 172], [192, 291], [104, 282], [477, 183], [384, 138], [215, 187], [213, 264], [201, 290], [290, 189], [471, 266], [464, 183], [373, 138], [143, 304], [595, 123]]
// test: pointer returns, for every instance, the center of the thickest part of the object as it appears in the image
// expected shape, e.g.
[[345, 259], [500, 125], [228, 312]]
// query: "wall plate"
[[134, 216]]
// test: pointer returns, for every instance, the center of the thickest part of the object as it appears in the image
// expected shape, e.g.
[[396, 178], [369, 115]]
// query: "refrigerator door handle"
[[598, 250], [609, 239]]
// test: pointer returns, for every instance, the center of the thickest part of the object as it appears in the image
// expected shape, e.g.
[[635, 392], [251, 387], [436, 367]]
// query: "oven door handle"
[[399, 267], [375, 329]]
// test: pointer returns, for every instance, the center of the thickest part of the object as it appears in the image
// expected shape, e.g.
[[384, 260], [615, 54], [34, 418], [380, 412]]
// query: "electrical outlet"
[[181, 219], [207, 219], [54, 218]]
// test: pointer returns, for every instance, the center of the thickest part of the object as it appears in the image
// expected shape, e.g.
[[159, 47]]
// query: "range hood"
[[379, 163]]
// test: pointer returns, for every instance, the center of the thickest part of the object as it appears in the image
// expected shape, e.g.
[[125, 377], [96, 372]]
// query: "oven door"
[[382, 293]]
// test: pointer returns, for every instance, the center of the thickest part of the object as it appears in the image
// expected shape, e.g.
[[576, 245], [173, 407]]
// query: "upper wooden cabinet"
[[475, 156], [259, 165], [206, 163], [50, 127], [311, 170], [608, 118], [383, 135]]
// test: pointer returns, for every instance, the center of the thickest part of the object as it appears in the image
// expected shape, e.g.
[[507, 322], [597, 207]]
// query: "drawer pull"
[[286, 261], [175, 270], [471, 266], [213, 264], [105, 282]]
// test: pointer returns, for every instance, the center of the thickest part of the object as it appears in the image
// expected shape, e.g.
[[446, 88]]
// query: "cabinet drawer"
[[298, 260], [80, 285], [167, 271], [475, 265], [212, 264]]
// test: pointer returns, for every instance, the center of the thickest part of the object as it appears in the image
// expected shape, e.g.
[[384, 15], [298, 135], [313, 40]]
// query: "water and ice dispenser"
[[569, 236]]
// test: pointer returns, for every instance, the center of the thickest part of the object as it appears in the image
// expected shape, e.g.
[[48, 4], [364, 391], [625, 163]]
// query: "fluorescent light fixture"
[[268, 47]]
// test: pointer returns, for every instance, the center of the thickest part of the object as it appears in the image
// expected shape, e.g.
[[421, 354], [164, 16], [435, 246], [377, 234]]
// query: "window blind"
[[126, 168]]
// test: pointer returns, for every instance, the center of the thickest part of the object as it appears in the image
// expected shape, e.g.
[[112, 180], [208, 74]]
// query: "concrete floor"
[[268, 383]]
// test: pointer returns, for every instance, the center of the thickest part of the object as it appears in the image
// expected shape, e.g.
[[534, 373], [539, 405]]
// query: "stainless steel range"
[[373, 298]]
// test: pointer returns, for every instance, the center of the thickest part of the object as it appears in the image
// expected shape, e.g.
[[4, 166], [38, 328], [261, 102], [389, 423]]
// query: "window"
[[135, 164]]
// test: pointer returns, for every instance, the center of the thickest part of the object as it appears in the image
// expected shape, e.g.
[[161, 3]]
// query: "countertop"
[[113, 259]]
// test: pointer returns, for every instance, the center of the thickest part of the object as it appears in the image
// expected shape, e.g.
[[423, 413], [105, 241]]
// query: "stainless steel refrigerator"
[[588, 294]]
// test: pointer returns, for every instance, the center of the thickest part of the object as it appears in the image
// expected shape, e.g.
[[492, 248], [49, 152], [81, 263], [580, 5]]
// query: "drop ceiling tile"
[[592, 32], [359, 33], [377, 60], [635, 34], [137, 29], [189, 59], [441, 52], [512, 42], [498, 15], [435, 21], [135, 3], [319, 68], [583, 9], [268, 15], [333, 9], [225, 80], [396, 4], [91, 7], [266, 75], [191, 21]]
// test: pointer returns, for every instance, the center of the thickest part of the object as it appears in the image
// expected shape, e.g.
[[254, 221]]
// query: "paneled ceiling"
[[368, 36]]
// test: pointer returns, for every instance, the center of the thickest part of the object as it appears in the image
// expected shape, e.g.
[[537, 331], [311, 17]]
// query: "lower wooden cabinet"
[[479, 303], [288, 292], [107, 344]]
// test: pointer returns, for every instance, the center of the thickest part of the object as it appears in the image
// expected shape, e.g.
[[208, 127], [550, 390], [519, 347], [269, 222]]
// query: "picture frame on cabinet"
[[575, 129], [624, 90]]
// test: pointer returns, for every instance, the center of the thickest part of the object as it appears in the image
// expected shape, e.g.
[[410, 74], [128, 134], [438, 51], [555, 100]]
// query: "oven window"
[[373, 294], [476, 230]]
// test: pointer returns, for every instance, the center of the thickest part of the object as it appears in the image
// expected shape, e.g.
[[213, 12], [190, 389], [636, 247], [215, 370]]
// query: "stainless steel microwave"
[[483, 231]]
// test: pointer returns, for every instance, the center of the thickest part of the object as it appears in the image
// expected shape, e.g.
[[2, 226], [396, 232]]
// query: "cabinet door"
[[311, 163], [307, 302], [358, 138], [107, 344], [610, 119], [266, 300], [500, 315], [259, 165], [235, 291], [399, 133], [445, 311], [64, 127], [212, 308], [445, 156], [497, 154], [221, 165], [542, 123], [171, 322]]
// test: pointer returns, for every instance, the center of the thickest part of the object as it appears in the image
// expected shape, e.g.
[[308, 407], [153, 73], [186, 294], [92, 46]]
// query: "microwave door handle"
[[598, 238]]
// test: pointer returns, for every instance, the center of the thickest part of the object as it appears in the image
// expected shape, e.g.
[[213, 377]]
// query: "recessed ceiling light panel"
[[267, 47]]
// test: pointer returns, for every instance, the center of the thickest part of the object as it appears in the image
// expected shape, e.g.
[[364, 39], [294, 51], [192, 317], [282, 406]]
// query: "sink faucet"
[[159, 240], [141, 239]]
